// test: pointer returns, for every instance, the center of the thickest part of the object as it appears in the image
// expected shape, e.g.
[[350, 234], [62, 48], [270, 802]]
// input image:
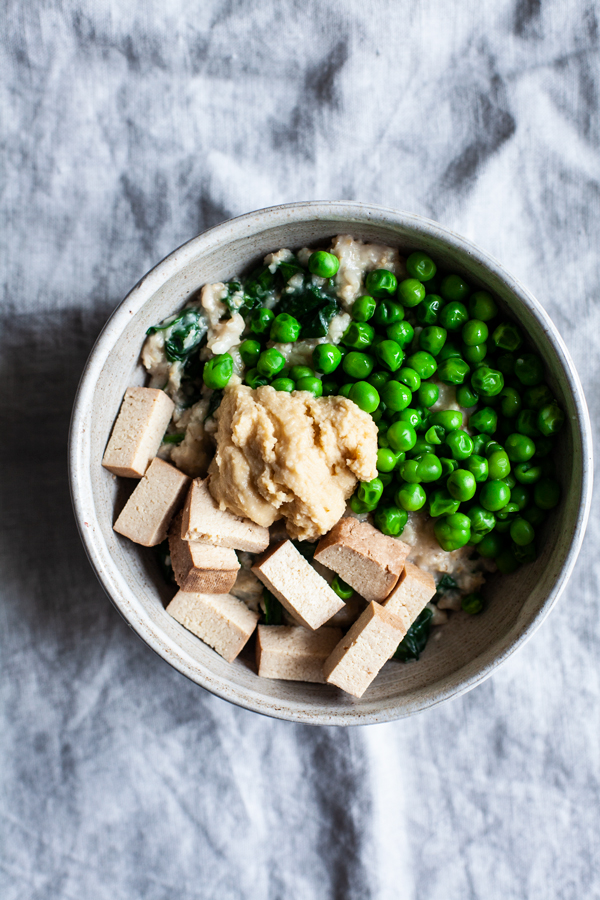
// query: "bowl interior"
[[462, 652]]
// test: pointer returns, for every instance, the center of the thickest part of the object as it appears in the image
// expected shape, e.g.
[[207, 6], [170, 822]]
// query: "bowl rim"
[[348, 213]]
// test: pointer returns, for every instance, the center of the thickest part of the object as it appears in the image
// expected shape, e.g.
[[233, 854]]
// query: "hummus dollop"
[[291, 456]]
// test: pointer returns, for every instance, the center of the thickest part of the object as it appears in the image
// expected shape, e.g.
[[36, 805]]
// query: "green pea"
[[369, 492], [485, 420], [453, 316], [312, 384], [453, 371], [429, 468], [510, 481], [465, 396], [529, 369], [507, 337], [285, 329], [388, 313], [527, 423], [498, 465], [461, 485], [250, 351], [396, 396], [546, 493], [358, 365], [270, 362], [342, 589], [284, 384], [491, 545], [363, 308], [442, 504], [378, 379], [524, 554], [475, 354], [411, 415], [326, 358], [432, 339], [449, 419], [482, 520], [454, 288], [298, 372], [534, 515], [401, 332], [423, 363], [527, 472], [421, 266], [260, 321], [409, 472], [402, 436], [381, 283], [390, 520], [479, 442], [359, 335], [345, 389], [494, 495], [519, 447], [487, 382], [386, 460], [410, 292], [323, 264], [411, 497], [428, 394], [409, 377], [510, 402], [474, 332], [550, 419], [507, 562], [472, 604], [427, 312], [421, 447], [519, 495], [217, 371], [537, 396], [449, 351], [435, 434], [390, 355], [452, 532], [505, 363], [448, 465], [478, 467], [255, 379], [482, 306], [543, 447], [330, 388], [365, 396], [492, 447], [460, 444], [386, 479]]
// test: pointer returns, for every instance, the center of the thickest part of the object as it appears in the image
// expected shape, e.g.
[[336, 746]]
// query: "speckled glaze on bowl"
[[469, 648]]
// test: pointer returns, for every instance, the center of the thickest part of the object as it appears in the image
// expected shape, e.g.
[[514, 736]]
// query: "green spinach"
[[415, 639], [273, 609], [183, 334]]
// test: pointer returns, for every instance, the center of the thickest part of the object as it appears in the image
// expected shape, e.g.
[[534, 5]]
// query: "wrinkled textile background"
[[127, 128]]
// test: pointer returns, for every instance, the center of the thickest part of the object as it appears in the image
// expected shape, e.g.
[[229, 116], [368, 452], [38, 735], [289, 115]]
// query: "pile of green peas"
[[490, 486]]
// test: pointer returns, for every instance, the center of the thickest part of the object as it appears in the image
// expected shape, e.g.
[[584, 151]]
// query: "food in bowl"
[[342, 374]]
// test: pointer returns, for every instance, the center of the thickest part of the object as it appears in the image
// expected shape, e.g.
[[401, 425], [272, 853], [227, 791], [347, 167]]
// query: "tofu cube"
[[220, 620], [138, 431], [201, 567], [146, 516], [303, 592], [294, 654], [364, 650], [414, 590], [204, 521], [369, 561]]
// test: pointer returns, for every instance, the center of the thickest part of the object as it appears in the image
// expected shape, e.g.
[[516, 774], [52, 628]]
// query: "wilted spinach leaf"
[[446, 583], [175, 438], [213, 403], [415, 639], [183, 334], [306, 548], [314, 307], [273, 609], [163, 556]]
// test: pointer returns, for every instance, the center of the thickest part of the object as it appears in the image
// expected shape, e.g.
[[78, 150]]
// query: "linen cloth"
[[128, 128]]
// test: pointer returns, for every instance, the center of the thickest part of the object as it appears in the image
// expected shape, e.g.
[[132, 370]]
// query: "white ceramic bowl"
[[470, 647]]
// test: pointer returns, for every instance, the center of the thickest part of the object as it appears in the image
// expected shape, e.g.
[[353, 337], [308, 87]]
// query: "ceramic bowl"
[[469, 648]]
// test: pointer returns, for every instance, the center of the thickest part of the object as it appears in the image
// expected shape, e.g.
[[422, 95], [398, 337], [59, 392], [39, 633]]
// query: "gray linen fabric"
[[127, 128]]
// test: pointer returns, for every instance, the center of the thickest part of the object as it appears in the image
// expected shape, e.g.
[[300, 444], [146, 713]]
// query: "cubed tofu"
[[303, 592], [414, 590], [363, 651], [204, 521], [294, 654], [138, 431], [220, 620], [201, 567], [146, 516], [369, 561]]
